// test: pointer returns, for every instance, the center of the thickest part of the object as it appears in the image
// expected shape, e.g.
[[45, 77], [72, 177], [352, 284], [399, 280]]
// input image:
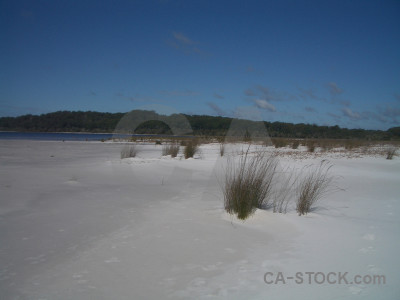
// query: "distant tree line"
[[90, 121]]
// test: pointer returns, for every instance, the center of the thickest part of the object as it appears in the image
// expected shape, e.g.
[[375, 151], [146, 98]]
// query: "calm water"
[[50, 136]]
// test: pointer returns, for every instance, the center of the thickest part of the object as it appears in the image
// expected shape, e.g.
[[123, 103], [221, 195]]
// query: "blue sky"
[[322, 62]]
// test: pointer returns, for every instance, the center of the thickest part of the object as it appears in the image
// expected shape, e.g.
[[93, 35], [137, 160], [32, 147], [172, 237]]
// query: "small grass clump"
[[129, 151], [295, 144], [390, 153], [248, 183], [221, 149], [315, 184], [279, 142], [172, 150], [310, 146], [191, 148]]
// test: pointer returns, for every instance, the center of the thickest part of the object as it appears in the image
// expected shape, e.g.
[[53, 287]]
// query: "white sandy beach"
[[77, 222]]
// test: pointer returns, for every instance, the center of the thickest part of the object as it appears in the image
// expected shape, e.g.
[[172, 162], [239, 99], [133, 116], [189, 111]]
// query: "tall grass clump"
[[248, 183], [295, 144], [326, 144], [128, 151], [279, 142], [314, 185], [390, 153], [172, 150], [221, 149], [191, 148], [310, 146]]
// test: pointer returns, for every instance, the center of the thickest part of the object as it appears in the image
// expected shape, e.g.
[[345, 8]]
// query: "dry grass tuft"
[[172, 150], [221, 149], [295, 144], [390, 153], [316, 183], [191, 148], [279, 142], [248, 183], [129, 151], [310, 146]]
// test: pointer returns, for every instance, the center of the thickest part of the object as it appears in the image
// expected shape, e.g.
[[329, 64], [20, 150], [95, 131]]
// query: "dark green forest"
[[149, 122]]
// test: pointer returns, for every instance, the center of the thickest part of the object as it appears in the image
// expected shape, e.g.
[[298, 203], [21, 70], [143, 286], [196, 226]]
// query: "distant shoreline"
[[80, 132], [73, 132], [75, 136]]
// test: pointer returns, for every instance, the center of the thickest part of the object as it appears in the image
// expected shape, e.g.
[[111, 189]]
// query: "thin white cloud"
[[266, 93], [308, 94], [218, 96], [264, 90], [249, 92], [343, 102], [334, 89], [135, 98], [335, 116], [183, 43], [393, 113], [175, 93], [216, 108], [251, 70], [351, 114], [310, 109], [264, 104], [180, 37]]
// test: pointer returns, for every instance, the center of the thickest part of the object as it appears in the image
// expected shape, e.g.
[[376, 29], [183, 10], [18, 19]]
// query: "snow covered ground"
[[77, 222]]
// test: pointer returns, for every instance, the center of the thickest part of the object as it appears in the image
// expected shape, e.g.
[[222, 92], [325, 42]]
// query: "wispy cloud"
[[307, 94], [392, 113], [335, 116], [252, 70], [343, 102], [183, 43], [334, 89], [175, 93], [247, 113], [249, 92], [383, 115], [350, 114], [180, 37], [310, 94], [374, 116], [268, 94], [264, 104], [216, 109], [264, 90], [309, 109], [218, 96], [136, 98]]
